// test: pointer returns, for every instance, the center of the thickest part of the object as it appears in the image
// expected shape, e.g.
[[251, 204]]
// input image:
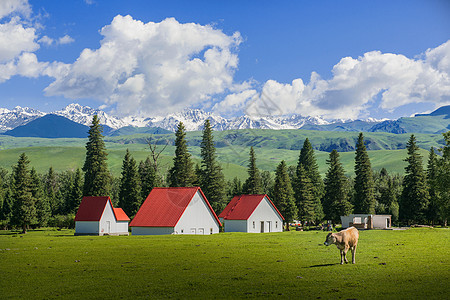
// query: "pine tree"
[[267, 183], [24, 209], [130, 197], [43, 209], [211, 179], [147, 176], [443, 179], [75, 193], [305, 196], [253, 183], [283, 194], [182, 173], [96, 178], [415, 196], [335, 200], [52, 192], [7, 207], [234, 188], [433, 185], [307, 161], [364, 187]]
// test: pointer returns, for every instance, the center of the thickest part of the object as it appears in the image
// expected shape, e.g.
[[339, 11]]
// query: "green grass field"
[[410, 264]]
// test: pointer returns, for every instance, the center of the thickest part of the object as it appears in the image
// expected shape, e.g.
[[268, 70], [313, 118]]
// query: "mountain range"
[[193, 119]]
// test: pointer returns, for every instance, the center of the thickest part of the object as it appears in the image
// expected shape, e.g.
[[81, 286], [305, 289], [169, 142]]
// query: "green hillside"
[[271, 146]]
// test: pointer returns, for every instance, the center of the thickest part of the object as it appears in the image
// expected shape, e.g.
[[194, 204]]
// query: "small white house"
[[251, 213], [175, 210], [366, 221], [97, 216]]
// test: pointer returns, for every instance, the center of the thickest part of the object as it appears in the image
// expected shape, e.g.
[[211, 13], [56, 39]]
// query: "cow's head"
[[331, 239]]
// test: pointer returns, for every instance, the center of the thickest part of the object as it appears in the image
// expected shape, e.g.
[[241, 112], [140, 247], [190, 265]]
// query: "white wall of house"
[[235, 225], [151, 230], [87, 227], [108, 221], [197, 218], [381, 221], [265, 219], [122, 227]]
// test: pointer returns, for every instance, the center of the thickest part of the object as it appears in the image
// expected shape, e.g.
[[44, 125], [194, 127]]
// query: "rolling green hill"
[[271, 146]]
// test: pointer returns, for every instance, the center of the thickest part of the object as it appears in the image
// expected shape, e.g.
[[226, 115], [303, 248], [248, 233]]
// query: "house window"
[[357, 220], [253, 224], [276, 224], [210, 231], [181, 230]]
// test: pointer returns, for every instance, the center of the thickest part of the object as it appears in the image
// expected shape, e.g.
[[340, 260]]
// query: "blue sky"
[[338, 59]]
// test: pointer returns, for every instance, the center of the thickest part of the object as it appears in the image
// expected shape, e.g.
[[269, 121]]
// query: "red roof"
[[120, 215], [241, 207], [165, 206], [92, 208]]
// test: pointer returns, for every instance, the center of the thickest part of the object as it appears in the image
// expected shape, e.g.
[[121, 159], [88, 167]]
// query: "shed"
[[367, 221], [251, 213], [97, 216], [175, 210]]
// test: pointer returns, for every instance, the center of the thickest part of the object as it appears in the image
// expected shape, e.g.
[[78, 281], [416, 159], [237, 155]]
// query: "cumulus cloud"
[[16, 39], [8, 7], [356, 83], [152, 67], [61, 41]]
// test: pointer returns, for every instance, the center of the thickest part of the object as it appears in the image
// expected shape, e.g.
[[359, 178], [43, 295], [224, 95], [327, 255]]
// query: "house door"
[[193, 231], [201, 231], [269, 229], [108, 227], [262, 226]]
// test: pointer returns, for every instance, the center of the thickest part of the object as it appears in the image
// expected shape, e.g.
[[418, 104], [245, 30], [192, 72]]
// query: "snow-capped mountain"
[[84, 114], [10, 119], [193, 119]]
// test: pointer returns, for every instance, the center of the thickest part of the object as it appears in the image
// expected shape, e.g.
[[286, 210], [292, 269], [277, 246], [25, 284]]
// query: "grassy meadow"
[[403, 264]]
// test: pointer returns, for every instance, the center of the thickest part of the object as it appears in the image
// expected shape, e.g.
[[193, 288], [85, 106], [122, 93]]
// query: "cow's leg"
[[353, 254], [342, 257], [345, 254]]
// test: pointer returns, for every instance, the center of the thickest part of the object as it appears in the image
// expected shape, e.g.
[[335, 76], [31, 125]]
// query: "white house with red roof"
[[97, 216], [175, 210], [251, 213]]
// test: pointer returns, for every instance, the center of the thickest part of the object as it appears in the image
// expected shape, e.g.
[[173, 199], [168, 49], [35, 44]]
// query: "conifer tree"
[[210, 177], [130, 197], [305, 196], [234, 188], [307, 161], [335, 200], [433, 185], [53, 192], [253, 183], [415, 196], [283, 194], [96, 177], [147, 176], [443, 179], [43, 209], [182, 173], [7, 207], [24, 209], [364, 187], [75, 193]]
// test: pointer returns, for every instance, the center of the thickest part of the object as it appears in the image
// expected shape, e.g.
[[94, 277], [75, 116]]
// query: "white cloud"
[[152, 67], [65, 40], [396, 79], [8, 7], [16, 39], [61, 41]]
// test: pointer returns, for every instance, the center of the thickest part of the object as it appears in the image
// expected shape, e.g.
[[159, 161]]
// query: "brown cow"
[[344, 240]]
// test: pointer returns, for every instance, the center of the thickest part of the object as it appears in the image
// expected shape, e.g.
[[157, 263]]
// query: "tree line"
[[299, 192]]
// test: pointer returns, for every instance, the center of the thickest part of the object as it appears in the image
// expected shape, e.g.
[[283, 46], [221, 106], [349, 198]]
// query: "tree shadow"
[[324, 265]]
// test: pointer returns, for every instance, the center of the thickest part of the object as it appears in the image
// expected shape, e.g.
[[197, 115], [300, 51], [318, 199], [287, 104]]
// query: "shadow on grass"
[[324, 265]]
